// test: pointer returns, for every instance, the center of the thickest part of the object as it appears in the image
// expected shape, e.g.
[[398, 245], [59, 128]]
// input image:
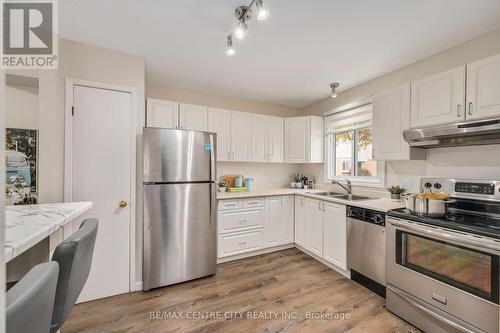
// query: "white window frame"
[[378, 181]]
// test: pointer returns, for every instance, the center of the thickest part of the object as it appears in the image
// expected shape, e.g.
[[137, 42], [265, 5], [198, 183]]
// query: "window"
[[349, 147]]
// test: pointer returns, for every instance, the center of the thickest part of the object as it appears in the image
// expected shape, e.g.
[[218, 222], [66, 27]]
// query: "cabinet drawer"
[[240, 220], [234, 244], [230, 204], [255, 202]]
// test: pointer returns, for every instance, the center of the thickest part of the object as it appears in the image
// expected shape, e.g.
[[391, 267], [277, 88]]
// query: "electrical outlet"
[[405, 182]]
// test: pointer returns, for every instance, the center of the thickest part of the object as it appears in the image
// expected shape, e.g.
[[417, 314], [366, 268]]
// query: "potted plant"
[[396, 191], [295, 183], [222, 185]]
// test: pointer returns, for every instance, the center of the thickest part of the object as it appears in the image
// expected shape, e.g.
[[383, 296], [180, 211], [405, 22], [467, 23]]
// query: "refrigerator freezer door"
[[179, 233], [178, 156]]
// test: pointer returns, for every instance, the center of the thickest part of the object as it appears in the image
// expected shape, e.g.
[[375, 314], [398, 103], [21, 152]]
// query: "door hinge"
[[72, 110]]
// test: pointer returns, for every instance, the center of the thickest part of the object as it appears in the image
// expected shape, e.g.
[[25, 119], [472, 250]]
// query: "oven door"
[[451, 271]]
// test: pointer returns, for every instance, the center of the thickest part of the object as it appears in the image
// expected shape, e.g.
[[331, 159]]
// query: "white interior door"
[[101, 173]]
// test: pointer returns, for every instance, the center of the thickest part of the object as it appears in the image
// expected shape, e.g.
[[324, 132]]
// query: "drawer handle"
[[242, 243], [439, 298], [254, 202], [231, 205], [243, 221]]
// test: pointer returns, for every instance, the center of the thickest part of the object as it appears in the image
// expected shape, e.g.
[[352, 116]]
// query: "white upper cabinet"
[[438, 99], [241, 136], [276, 137], [267, 138], [162, 113], [335, 234], [219, 122], [304, 139], [483, 88], [391, 116], [260, 138], [193, 117]]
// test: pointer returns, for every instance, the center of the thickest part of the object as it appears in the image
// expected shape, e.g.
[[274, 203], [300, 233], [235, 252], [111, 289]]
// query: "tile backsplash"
[[265, 175]]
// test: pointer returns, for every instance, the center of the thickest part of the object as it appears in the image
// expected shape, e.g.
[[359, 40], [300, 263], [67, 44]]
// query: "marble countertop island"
[[25, 226]]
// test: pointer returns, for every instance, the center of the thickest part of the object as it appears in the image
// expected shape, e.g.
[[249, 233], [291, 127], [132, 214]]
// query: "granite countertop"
[[380, 204], [25, 226]]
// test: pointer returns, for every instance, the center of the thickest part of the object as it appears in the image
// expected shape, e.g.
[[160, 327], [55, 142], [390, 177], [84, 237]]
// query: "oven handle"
[[483, 244], [430, 312]]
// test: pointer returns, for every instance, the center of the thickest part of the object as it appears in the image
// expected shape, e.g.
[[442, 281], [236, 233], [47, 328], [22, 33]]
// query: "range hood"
[[484, 132]]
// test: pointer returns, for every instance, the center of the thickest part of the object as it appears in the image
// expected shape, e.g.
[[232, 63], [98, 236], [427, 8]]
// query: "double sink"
[[343, 196]]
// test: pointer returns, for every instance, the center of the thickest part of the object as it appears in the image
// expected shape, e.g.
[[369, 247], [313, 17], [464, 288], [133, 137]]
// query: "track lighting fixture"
[[334, 86], [243, 14], [230, 50]]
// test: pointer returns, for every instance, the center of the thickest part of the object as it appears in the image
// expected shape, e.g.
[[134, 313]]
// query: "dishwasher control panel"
[[366, 215]]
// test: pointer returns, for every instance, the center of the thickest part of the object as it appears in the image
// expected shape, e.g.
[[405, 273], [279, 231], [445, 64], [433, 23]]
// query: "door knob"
[[123, 204]]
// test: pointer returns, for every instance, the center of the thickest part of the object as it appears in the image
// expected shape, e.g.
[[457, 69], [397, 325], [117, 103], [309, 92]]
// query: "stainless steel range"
[[443, 273]]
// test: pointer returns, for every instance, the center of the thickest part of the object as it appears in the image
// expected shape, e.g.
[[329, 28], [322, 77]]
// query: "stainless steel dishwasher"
[[366, 247]]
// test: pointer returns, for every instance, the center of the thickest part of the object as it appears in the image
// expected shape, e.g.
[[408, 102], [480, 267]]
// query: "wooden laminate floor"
[[285, 291]]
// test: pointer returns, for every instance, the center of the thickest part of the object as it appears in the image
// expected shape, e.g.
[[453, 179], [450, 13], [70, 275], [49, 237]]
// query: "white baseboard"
[[256, 253], [345, 273]]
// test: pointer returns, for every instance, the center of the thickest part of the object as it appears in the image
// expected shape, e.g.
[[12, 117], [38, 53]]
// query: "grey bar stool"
[[74, 256], [29, 302]]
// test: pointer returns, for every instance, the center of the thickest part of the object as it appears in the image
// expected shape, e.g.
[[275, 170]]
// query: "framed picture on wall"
[[21, 156]]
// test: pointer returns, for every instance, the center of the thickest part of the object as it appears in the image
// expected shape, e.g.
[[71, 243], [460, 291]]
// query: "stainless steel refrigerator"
[[179, 206]]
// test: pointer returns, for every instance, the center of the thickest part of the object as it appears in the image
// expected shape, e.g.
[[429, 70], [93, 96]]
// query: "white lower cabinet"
[[335, 234], [321, 228], [313, 226], [238, 243], [299, 220], [279, 221], [248, 225]]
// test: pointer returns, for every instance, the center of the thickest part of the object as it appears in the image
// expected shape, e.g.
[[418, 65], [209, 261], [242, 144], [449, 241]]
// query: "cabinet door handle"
[[470, 108], [319, 205], [459, 111]]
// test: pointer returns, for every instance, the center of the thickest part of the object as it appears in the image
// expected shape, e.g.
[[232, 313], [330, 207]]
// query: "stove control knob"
[[378, 219], [428, 185], [437, 186]]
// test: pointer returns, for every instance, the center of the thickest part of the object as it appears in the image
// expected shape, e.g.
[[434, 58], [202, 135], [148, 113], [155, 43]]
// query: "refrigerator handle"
[[213, 205], [212, 158]]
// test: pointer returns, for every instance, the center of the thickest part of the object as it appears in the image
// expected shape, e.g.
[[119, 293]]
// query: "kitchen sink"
[[343, 196]]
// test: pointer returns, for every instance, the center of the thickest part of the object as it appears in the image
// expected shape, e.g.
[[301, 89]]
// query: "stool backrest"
[[74, 256], [30, 301]]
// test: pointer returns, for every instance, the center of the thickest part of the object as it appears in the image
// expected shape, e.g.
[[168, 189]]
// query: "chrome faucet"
[[347, 187]]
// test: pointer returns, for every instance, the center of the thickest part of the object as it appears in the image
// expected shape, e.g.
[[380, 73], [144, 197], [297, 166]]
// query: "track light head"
[[229, 43], [262, 12], [334, 87], [241, 30]]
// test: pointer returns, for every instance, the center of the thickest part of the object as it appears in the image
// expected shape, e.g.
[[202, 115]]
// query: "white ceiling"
[[289, 59]]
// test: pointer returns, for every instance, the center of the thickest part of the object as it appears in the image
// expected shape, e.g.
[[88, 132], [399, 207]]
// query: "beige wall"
[[21, 105], [481, 47], [201, 98], [467, 162]]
